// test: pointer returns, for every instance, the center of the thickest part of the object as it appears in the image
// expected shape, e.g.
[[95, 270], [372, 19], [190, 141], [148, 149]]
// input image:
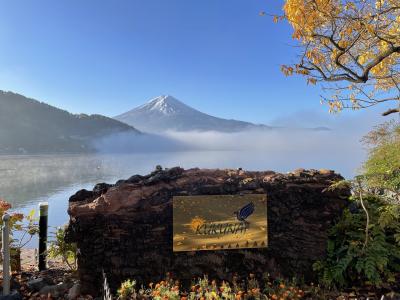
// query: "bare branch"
[[391, 111]]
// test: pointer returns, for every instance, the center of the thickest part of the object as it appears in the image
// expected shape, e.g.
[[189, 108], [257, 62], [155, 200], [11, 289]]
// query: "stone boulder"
[[126, 229]]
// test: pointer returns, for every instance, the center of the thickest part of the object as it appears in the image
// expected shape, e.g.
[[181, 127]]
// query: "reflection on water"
[[27, 180]]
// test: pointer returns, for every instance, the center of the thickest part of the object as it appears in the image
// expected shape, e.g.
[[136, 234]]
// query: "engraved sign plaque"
[[219, 222]]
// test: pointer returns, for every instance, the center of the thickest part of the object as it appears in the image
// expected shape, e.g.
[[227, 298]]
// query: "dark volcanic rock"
[[14, 295], [81, 195], [100, 189], [127, 229], [134, 179], [36, 284]]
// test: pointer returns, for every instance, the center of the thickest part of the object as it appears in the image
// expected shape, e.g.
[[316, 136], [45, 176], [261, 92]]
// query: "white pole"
[[6, 254]]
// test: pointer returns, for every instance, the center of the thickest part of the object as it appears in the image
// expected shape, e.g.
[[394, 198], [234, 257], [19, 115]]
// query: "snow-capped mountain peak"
[[165, 113], [165, 104]]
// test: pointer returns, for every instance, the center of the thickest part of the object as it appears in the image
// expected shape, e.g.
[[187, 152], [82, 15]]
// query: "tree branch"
[[377, 60], [391, 111]]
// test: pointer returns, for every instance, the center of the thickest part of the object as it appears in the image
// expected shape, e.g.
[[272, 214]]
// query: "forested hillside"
[[30, 126]]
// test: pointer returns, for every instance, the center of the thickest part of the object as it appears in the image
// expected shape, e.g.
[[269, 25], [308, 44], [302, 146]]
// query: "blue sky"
[[107, 57]]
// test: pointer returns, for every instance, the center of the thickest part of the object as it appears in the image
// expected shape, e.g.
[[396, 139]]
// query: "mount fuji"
[[165, 113]]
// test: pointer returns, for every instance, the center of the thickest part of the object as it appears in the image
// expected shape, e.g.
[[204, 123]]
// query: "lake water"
[[27, 180]]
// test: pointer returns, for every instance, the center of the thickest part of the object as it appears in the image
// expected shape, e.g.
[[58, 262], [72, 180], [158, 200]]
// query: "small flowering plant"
[[127, 290], [25, 224], [204, 289], [279, 289], [165, 290]]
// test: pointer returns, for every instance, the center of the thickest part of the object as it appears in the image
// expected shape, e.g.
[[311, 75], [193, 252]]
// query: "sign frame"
[[219, 222]]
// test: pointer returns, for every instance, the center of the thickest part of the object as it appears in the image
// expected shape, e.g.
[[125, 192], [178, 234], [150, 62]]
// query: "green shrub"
[[356, 258], [364, 246], [382, 168], [58, 248]]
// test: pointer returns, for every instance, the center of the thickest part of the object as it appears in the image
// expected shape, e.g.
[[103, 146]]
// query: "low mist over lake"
[[109, 150], [27, 180]]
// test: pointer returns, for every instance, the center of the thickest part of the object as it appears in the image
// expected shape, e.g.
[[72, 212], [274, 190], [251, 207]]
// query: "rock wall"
[[126, 228]]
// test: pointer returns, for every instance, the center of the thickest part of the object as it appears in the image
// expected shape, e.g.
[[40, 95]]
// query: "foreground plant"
[[25, 225], [127, 290], [359, 257], [364, 246], [205, 289], [58, 248], [284, 291], [382, 169]]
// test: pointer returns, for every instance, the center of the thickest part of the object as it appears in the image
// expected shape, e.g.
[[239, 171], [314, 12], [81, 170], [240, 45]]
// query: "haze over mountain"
[[30, 126], [165, 113]]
